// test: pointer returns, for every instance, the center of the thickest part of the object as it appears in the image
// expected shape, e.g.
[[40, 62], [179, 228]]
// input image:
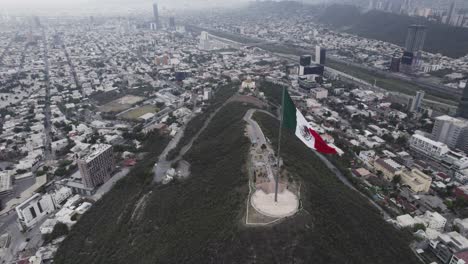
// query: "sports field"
[[121, 104], [137, 112]]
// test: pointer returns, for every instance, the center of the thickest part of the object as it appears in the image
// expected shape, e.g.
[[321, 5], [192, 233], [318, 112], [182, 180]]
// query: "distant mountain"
[[447, 40]]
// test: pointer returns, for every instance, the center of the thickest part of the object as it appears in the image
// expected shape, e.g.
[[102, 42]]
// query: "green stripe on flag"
[[289, 112]]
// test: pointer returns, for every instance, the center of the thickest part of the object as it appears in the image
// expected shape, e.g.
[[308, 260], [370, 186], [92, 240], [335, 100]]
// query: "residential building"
[[319, 93], [416, 101], [462, 225], [34, 210], [97, 165], [427, 146], [461, 192], [459, 258], [417, 180], [61, 195], [451, 131], [432, 220], [388, 167], [6, 185], [448, 244]]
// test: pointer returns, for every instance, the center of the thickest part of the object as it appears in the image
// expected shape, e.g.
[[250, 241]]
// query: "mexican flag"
[[295, 121]]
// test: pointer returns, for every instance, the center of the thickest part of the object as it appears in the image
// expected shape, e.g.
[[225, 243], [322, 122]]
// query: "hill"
[[199, 219], [447, 40]]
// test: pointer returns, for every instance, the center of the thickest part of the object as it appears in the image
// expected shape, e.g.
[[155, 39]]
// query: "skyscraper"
[[395, 64], [450, 13], [320, 55], [417, 101], [172, 23], [463, 106], [415, 38], [414, 44], [156, 14]]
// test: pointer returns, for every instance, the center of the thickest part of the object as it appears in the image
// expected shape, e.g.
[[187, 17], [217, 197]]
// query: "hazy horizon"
[[107, 6]]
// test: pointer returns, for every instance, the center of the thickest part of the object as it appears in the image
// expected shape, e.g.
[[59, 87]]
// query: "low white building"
[[34, 210], [61, 195], [432, 220], [428, 146], [319, 93]]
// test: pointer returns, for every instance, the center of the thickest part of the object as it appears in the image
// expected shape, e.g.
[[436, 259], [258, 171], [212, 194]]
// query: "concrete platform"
[[265, 204]]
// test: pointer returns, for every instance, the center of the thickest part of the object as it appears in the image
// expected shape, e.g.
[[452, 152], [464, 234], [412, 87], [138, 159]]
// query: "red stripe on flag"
[[320, 144]]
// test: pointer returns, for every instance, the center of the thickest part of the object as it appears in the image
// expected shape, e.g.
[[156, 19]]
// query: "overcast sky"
[[54, 5]]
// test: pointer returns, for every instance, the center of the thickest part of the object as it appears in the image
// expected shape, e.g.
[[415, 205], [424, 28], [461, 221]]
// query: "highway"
[[48, 155], [438, 88]]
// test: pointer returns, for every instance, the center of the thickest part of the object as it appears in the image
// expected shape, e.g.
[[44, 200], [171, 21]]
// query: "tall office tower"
[[415, 38], [450, 12], [305, 60], [172, 23], [463, 105], [156, 14], [417, 101], [97, 165], [395, 64], [414, 44], [204, 41], [451, 131], [320, 55]]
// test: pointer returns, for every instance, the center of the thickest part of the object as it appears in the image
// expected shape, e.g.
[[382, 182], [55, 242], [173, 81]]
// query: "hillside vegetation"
[[200, 219], [447, 40]]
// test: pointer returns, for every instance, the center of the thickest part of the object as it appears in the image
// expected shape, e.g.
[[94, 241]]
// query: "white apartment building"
[[319, 93], [428, 146], [432, 220], [451, 131]]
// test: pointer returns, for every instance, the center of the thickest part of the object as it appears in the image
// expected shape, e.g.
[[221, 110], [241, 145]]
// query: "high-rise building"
[[97, 165], [414, 44], [415, 38], [305, 60], [204, 41], [395, 64], [320, 55], [450, 13], [172, 23], [451, 131], [417, 101], [156, 14], [463, 106]]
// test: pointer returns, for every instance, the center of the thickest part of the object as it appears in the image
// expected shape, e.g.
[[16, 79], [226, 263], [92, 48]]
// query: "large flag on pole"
[[295, 121]]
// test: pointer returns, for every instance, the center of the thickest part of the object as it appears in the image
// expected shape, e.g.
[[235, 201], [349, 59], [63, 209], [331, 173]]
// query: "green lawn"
[[137, 112]]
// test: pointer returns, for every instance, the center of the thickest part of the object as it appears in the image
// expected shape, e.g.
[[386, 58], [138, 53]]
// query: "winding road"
[[163, 164]]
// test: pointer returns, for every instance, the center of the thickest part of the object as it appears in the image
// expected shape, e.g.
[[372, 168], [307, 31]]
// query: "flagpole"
[[279, 144]]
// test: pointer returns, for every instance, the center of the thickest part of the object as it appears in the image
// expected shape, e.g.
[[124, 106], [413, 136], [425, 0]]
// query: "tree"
[[60, 229], [396, 179], [401, 141], [419, 226]]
